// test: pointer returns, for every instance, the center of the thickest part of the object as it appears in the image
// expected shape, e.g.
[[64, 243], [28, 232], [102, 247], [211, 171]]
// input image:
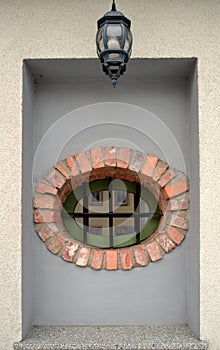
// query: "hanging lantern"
[[114, 43]]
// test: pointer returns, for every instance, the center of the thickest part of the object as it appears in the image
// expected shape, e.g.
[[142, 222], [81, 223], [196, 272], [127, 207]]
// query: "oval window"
[[111, 213]]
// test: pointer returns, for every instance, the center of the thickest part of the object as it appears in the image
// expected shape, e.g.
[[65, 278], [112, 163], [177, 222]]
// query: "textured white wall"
[[66, 29]]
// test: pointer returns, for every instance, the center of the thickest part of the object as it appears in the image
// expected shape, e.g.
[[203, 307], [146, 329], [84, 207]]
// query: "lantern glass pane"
[[128, 39], [100, 39], [114, 36]]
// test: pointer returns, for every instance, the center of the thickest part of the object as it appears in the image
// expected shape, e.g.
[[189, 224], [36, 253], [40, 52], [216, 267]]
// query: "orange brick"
[[55, 244], [167, 177], [160, 171], [175, 235], [154, 251], [137, 161], [97, 158], [175, 189], [177, 204], [83, 257], [123, 158], [55, 178], [110, 156], [149, 165], [70, 251], [43, 187], [140, 256], [47, 202], [178, 221], [165, 243], [44, 232], [126, 261], [63, 171], [111, 260], [72, 166], [83, 161], [97, 259], [42, 215]]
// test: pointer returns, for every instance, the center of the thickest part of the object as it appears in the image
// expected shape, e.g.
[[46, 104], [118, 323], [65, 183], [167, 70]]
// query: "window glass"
[[111, 214]]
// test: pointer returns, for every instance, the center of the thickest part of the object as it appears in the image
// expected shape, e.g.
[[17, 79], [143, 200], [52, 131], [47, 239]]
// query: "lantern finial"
[[114, 82], [113, 6]]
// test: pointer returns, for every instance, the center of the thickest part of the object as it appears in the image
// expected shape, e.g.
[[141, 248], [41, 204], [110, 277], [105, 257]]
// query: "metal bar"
[[110, 195], [85, 212], [137, 209], [113, 215]]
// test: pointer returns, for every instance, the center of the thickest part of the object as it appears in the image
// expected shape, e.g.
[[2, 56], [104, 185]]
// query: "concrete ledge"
[[110, 338]]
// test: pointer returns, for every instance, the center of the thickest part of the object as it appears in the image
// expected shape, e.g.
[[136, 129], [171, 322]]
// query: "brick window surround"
[[169, 187]]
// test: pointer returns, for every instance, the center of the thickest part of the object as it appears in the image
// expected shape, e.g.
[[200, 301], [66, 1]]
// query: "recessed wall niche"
[[68, 107]]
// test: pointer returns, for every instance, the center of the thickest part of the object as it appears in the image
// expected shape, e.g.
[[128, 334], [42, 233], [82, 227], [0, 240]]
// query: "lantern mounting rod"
[[113, 6]]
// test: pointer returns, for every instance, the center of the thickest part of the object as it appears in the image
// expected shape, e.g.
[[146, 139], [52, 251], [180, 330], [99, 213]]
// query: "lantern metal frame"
[[114, 67]]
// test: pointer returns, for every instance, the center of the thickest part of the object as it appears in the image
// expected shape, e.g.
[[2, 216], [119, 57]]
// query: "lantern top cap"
[[114, 16]]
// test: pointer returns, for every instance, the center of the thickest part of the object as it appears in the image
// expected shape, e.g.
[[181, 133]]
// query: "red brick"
[[60, 167], [97, 158], [160, 171], [154, 251], [70, 251], [47, 202], [149, 165], [111, 260], [128, 177], [100, 175], [92, 177], [72, 166], [42, 215], [165, 243], [175, 189], [175, 235], [83, 161], [178, 221], [162, 204], [97, 259], [55, 244], [62, 197], [177, 204], [83, 257], [43, 187], [137, 161], [126, 261], [110, 156], [123, 158], [167, 177], [140, 256], [55, 178], [67, 188]]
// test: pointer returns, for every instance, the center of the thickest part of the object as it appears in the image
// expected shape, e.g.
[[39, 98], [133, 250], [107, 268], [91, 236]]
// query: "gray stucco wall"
[[46, 29], [193, 243]]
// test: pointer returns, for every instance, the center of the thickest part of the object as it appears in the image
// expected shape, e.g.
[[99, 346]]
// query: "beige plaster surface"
[[66, 29]]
